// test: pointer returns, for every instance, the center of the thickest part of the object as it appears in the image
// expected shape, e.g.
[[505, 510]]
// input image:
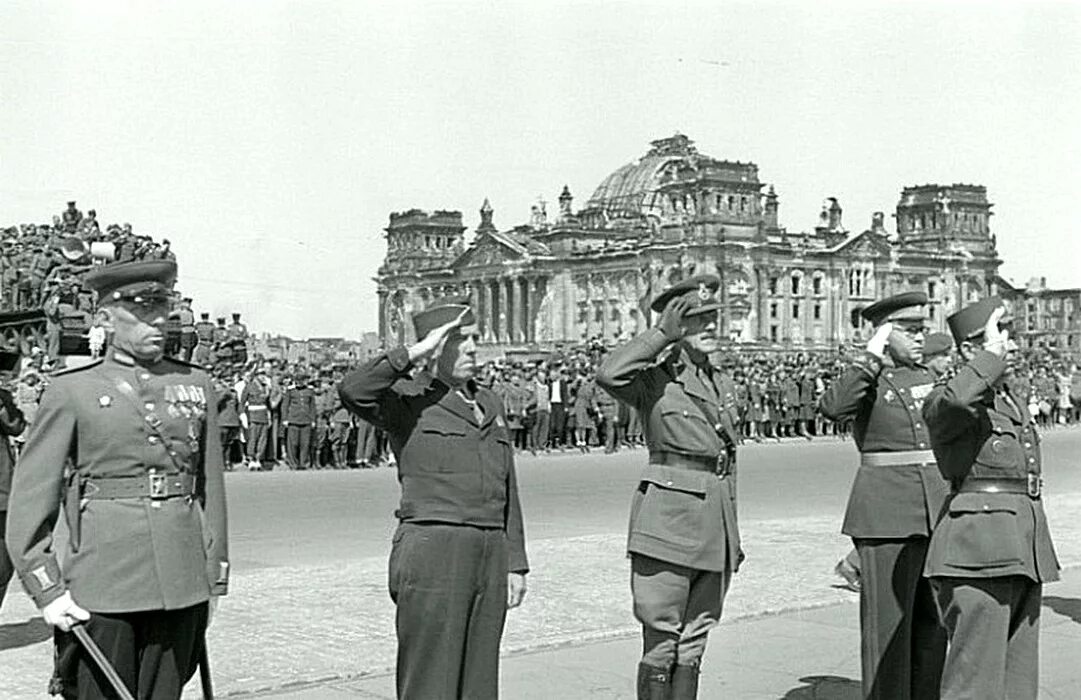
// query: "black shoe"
[[684, 682], [654, 683]]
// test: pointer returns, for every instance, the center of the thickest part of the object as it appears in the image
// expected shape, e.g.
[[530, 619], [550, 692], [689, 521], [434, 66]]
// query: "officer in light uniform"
[[684, 538], [991, 551], [143, 497], [458, 559], [895, 500]]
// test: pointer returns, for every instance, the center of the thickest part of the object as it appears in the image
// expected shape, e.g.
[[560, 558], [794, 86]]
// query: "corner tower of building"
[[945, 217]]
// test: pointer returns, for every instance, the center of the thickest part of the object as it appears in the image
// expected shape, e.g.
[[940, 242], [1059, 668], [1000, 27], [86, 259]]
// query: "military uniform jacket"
[[678, 515], [255, 401], [452, 468], [978, 433], [134, 553], [298, 406], [895, 501]]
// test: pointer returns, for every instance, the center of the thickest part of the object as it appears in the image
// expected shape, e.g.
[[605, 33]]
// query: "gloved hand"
[[64, 613], [877, 344], [670, 322]]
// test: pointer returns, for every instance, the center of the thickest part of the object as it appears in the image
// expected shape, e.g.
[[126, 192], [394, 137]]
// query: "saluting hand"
[[877, 344], [429, 343], [671, 320], [996, 340]]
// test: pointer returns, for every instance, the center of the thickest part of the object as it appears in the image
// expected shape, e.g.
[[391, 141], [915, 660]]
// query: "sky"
[[270, 140]]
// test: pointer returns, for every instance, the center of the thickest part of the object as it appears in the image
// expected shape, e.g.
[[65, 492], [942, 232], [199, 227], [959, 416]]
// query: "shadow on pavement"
[[825, 688], [24, 634], [1067, 607]]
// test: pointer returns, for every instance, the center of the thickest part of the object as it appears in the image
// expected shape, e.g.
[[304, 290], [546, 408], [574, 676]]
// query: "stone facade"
[[1045, 318], [673, 213]]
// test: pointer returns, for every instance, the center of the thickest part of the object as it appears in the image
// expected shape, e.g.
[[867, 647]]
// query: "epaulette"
[[184, 363], [72, 370]]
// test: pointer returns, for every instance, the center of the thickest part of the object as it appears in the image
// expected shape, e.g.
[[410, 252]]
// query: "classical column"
[[516, 309], [474, 301], [527, 309], [501, 311], [489, 314]]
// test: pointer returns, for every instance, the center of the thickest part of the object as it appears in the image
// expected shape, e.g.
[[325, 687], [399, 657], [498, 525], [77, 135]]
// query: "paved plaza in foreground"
[[308, 615]]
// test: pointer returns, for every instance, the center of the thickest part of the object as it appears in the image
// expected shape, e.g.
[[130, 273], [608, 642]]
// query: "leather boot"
[[654, 683], [684, 682]]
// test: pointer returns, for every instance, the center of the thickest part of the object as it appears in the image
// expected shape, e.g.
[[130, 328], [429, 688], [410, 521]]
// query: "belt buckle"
[[1035, 485], [159, 488]]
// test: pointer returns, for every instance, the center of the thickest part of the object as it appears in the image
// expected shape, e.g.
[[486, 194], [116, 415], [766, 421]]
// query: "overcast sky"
[[270, 140]]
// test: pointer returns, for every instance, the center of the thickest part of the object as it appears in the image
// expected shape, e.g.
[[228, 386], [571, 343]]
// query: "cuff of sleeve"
[[988, 366], [44, 583], [518, 566], [657, 339], [399, 358]]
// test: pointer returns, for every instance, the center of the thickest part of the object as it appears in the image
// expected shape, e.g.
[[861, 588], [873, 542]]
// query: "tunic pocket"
[[982, 536], [670, 511]]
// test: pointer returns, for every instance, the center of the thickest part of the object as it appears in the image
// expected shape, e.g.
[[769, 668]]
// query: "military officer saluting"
[[458, 558], [895, 500], [684, 539], [142, 493], [991, 551]]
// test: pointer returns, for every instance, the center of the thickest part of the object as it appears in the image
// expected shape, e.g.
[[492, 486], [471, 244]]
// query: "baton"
[[204, 673], [102, 662]]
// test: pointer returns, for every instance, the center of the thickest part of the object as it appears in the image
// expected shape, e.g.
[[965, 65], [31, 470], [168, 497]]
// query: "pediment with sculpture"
[[487, 252]]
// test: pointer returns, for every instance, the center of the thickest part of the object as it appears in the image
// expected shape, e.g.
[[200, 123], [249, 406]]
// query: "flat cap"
[[126, 280], [907, 306], [970, 321], [700, 291], [936, 344], [442, 312]]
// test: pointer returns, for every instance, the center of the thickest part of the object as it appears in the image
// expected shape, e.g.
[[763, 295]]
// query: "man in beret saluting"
[[458, 559], [129, 445], [894, 502], [684, 538], [991, 551]]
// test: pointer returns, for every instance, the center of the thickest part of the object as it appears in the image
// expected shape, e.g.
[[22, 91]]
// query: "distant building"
[[1045, 318], [670, 214]]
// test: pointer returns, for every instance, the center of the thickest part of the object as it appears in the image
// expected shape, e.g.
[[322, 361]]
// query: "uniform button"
[[1031, 460], [918, 425], [684, 414], [153, 439], [144, 376], [889, 375], [1028, 444], [148, 406], [923, 445], [986, 507], [912, 407], [669, 483]]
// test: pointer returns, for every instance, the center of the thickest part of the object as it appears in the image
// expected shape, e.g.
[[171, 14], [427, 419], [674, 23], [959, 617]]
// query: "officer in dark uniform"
[[238, 339], [937, 353], [991, 551], [684, 537], [895, 500], [298, 418], [458, 559], [143, 496], [223, 347]]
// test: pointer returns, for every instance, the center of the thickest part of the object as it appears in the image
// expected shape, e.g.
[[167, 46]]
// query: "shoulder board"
[[946, 376], [72, 370], [182, 363]]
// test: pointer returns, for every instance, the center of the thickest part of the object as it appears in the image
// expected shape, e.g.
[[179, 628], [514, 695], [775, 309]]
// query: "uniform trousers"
[[257, 439], [559, 425], [903, 645], [540, 430], [994, 630], [298, 445], [367, 441], [7, 569], [677, 607], [450, 585], [155, 653]]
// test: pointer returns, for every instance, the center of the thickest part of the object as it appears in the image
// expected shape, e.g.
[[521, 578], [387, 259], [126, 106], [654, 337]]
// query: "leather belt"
[[1031, 486], [156, 487], [721, 465], [897, 459], [256, 407]]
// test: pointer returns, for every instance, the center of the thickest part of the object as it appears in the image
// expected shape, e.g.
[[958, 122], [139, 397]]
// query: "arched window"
[[797, 283]]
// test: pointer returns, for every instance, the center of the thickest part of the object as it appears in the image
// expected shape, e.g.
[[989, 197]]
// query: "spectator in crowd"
[[298, 418], [12, 423]]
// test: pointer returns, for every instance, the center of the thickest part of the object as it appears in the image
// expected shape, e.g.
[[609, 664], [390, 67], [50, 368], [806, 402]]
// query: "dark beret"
[[126, 280], [907, 306], [970, 321], [936, 344], [700, 291], [442, 312]]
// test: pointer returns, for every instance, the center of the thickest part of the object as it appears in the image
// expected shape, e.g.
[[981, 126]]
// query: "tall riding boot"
[[684, 682], [654, 683]]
